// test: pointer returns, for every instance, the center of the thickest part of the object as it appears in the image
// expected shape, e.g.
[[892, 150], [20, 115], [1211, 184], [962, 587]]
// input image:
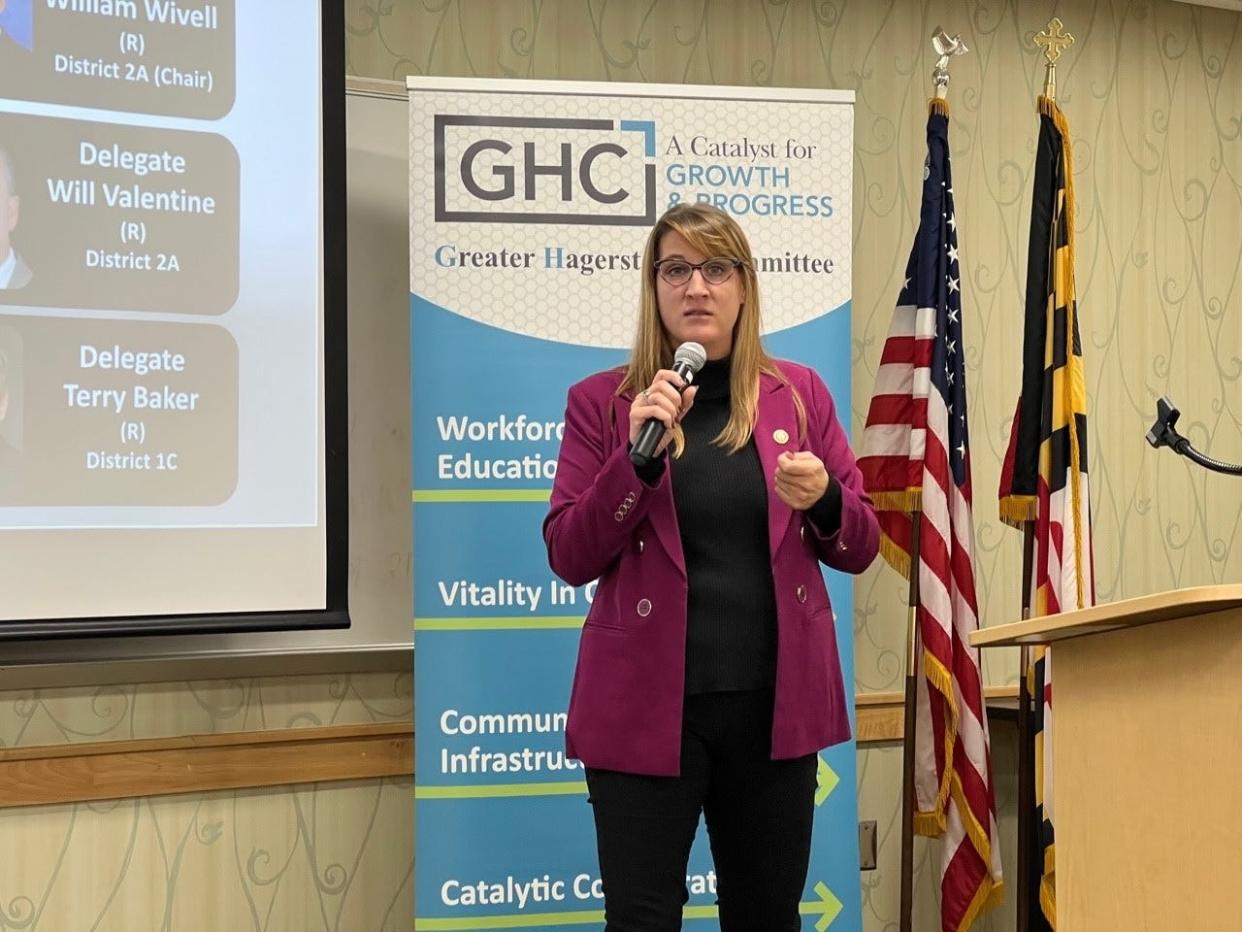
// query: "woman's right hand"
[[663, 401]]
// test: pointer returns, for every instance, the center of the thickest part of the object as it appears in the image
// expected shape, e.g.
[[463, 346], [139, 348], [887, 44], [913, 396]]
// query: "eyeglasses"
[[716, 271]]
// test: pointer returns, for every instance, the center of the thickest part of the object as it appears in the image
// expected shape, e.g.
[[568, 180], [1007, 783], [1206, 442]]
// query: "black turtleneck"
[[722, 514]]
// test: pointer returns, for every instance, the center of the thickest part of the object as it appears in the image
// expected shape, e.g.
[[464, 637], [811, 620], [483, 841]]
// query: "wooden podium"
[[1147, 759]]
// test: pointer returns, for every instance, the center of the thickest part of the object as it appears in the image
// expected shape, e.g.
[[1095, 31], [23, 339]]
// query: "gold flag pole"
[[1053, 40], [946, 47]]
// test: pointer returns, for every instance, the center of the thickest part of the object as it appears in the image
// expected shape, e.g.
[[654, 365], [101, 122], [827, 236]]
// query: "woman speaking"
[[707, 674]]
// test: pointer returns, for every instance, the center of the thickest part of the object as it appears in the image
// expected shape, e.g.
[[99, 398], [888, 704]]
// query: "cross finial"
[[1054, 40]]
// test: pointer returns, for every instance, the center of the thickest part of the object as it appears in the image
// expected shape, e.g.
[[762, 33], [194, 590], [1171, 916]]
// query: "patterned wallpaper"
[[1153, 92], [35, 717], [335, 857]]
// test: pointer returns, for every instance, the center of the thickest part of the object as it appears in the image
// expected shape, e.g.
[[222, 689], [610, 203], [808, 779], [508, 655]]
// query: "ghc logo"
[[519, 170]]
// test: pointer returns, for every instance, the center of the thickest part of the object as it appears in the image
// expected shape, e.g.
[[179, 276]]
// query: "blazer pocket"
[[604, 627], [822, 615], [600, 618]]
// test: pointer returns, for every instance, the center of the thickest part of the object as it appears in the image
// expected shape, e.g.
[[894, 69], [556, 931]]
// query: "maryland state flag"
[[1044, 478]]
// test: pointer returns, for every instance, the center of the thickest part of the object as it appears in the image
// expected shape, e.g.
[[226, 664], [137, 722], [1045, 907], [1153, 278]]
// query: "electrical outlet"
[[866, 846]]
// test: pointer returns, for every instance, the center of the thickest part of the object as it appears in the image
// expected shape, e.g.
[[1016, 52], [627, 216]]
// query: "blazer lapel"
[[776, 431], [662, 514]]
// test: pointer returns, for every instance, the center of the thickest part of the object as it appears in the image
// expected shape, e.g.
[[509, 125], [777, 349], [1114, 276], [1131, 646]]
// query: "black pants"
[[758, 811]]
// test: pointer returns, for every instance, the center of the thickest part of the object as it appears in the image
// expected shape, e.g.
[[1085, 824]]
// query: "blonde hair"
[[711, 232]]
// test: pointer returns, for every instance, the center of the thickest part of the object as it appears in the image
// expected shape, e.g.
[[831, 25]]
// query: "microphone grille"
[[692, 354]]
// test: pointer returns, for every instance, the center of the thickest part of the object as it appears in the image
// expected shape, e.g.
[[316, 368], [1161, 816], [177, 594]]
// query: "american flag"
[[916, 466]]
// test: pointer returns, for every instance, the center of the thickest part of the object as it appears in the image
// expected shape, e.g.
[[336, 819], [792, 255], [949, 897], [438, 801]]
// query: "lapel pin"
[[780, 435]]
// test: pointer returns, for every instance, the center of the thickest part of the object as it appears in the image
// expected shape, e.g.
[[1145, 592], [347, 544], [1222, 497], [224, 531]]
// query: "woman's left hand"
[[801, 479]]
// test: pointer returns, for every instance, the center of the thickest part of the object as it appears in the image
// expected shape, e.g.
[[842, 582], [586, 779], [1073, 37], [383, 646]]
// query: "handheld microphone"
[[688, 360]]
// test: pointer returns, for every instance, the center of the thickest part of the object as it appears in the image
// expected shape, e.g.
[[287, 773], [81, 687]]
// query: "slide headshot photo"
[[10, 400], [14, 272], [16, 24], [15, 464]]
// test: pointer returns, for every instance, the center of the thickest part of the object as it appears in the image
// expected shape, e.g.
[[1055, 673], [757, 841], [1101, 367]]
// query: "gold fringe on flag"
[[894, 556], [1048, 887], [907, 501], [910, 502], [1016, 510]]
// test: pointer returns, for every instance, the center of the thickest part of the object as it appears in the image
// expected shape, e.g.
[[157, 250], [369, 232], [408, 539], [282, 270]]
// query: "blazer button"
[[620, 515], [801, 593], [640, 545], [841, 546], [644, 607]]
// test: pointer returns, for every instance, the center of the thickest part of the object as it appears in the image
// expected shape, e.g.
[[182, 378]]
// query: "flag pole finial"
[[1053, 40], [946, 46]]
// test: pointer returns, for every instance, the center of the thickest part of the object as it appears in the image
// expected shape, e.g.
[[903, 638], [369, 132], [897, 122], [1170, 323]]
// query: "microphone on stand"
[[688, 360], [1164, 433]]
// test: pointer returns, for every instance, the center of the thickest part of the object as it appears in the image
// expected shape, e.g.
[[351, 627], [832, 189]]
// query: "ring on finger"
[[646, 397]]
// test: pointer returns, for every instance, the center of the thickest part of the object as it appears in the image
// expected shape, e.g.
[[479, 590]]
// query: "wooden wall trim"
[[880, 717], [201, 763], [69, 773]]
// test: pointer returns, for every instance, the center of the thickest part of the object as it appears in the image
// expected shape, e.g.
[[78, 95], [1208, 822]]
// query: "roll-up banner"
[[529, 206]]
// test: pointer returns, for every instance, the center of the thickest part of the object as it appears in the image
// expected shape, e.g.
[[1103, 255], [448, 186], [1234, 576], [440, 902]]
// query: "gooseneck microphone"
[[688, 360], [1164, 434]]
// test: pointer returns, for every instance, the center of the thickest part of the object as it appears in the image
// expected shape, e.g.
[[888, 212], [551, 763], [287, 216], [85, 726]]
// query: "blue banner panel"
[[521, 286]]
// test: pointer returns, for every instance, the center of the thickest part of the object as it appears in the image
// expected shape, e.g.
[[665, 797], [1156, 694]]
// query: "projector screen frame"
[[335, 613]]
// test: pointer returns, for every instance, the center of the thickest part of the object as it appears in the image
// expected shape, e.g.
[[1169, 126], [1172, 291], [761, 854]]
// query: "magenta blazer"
[[625, 709]]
